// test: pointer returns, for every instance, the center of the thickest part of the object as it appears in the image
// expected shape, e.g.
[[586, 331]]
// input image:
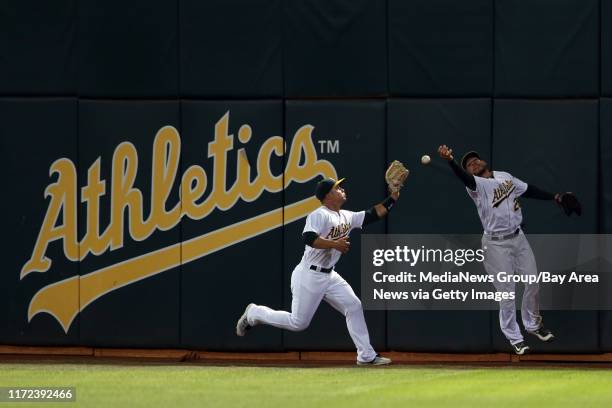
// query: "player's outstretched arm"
[[538, 194], [567, 201], [383, 208], [447, 154], [380, 210]]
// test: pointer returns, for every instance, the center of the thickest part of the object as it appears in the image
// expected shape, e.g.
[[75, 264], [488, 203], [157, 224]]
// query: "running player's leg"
[[341, 297], [307, 289]]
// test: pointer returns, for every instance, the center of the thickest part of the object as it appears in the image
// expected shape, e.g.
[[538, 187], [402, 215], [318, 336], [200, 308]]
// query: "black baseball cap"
[[467, 157], [325, 186]]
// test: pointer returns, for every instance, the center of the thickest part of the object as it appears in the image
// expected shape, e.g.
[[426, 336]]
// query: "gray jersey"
[[329, 224], [496, 199]]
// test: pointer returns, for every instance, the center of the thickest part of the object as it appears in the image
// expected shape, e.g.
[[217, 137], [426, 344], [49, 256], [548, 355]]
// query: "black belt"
[[320, 269], [503, 237]]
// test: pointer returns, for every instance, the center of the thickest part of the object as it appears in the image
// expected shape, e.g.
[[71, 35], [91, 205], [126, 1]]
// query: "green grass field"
[[189, 385]]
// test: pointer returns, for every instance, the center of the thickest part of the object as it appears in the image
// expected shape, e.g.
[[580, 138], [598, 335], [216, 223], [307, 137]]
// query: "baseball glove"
[[570, 204], [395, 176]]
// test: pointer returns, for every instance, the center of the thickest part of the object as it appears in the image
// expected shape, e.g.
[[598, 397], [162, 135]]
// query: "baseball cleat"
[[243, 324], [543, 334], [520, 348], [378, 360]]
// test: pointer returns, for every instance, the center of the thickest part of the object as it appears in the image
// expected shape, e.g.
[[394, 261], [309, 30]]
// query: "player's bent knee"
[[354, 306], [299, 324]]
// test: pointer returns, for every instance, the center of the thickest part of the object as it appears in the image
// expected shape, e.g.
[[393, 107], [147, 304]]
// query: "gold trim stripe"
[[66, 298]]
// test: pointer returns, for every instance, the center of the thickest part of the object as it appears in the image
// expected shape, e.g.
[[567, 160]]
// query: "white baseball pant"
[[308, 288], [513, 256]]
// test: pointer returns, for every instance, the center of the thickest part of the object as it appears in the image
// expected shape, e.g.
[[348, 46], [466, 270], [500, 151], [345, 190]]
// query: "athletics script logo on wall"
[[66, 298]]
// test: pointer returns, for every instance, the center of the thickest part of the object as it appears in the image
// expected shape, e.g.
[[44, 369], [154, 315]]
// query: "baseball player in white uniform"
[[326, 238], [496, 194]]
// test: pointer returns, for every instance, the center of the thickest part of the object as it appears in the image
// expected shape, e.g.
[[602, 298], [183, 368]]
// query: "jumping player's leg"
[[341, 297], [526, 265], [307, 289], [498, 258]]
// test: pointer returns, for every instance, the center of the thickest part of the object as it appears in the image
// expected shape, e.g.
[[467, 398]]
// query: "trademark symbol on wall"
[[329, 146]]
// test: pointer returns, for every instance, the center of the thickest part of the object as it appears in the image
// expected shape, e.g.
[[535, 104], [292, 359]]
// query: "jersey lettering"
[[338, 231], [502, 192]]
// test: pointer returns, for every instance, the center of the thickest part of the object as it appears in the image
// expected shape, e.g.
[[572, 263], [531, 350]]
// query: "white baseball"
[[425, 159]]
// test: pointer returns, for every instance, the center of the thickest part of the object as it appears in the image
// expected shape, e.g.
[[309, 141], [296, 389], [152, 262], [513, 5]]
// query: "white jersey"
[[496, 199], [329, 224]]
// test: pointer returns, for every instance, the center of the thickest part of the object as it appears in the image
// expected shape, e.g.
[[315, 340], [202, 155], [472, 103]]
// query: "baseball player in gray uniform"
[[326, 238], [496, 194]]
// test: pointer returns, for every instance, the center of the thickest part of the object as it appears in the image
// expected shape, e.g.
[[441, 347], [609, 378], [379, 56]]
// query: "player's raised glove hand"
[[342, 244], [569, 203], [445, 152], [395, 176]]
